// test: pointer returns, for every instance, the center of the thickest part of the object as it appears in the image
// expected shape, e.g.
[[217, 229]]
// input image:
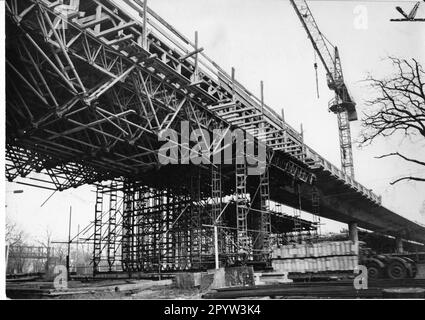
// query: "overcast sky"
[[264, 40]]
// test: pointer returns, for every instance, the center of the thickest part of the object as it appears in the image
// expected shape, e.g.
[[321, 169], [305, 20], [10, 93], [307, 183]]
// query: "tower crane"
[[342, 104]]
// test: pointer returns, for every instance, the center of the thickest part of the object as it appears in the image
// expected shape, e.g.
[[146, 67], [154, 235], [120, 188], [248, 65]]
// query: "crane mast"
[[342, 104]]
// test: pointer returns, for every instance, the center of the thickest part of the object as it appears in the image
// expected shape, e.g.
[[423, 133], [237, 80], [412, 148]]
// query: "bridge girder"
[[88, 92]]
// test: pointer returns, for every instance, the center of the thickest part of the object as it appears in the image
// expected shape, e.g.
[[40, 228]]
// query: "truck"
[[388, 265]]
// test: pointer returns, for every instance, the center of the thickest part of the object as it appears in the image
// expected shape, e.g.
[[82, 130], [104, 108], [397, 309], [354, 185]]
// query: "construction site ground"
[[129, 289]]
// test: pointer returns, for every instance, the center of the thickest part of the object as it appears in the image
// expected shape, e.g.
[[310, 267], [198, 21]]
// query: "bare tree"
[[15, 239], [398, 107], [46, 243], [61, 252], [14, 235]]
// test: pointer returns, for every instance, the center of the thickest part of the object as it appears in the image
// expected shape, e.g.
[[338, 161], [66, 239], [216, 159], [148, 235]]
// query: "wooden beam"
[[116, 29], [93, 22], [121, 39]]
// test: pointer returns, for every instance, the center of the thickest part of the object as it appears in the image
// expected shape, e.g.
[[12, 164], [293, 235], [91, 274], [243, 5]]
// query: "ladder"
[[195, 222], [315, 204], [216, 191], [97, 235], [127, 229], [112, 225], [297, 218], [243, 241], [216, 204], [265, 211]]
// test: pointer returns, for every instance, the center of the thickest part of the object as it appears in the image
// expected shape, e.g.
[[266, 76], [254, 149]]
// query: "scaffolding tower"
[[315, 204], [243, 239], [97, 234]]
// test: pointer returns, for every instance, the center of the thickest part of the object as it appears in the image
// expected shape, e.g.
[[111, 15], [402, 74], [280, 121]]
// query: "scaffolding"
[[98, 213], [128, 229], [112, 227], [216, 205], [243, 239], [265, 215], [315, 204], [297, 236], [139, 228], [195, 239]]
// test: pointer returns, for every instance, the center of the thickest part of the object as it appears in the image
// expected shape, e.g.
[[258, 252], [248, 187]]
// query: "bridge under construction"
[[92, 86]]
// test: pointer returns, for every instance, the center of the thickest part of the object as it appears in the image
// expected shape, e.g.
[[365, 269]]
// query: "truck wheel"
[[396, 270], [374, 271]]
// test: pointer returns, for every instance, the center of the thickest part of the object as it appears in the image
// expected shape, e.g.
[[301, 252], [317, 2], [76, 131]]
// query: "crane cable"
[[315, 69]]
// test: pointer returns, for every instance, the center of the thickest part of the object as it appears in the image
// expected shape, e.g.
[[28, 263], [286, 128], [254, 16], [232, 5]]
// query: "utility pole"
[[69, 244], [76, 250], [217, 263]]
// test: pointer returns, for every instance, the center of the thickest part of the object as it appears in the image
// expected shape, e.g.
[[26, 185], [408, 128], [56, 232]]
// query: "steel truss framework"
[[89, 90], [99, 86], [143, 229]]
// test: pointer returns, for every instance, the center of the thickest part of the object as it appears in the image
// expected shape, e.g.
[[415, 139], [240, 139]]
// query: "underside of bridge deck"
[[90, 92]]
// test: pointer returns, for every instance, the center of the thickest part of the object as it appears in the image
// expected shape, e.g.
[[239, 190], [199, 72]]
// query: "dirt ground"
[[160, 292], [41, 289], [168, 292]]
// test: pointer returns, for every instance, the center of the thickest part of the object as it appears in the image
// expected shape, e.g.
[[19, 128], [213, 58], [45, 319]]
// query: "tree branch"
[[399, 105], [401, 156], [407, 178]]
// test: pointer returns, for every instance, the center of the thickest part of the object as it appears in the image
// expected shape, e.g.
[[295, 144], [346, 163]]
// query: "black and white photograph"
[[223, 153]]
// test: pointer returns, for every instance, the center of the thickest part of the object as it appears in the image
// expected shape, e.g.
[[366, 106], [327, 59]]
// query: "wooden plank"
[[121, 39], [116, 29], [91, 22]]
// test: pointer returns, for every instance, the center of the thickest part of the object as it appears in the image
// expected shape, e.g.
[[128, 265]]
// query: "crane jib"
[[331, 62], [342, 105]]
